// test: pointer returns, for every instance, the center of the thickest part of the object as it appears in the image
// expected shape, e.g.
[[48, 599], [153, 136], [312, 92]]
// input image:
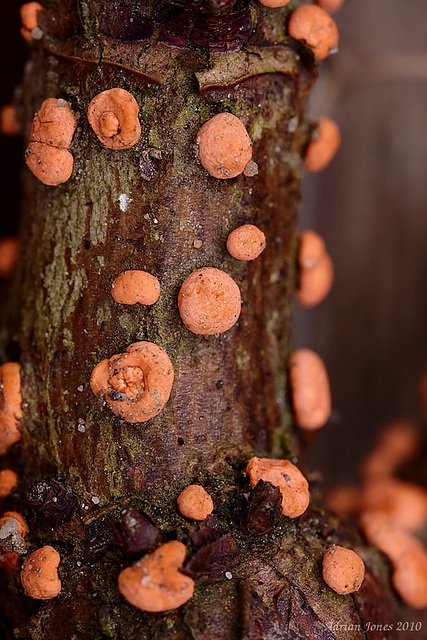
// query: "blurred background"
[[370, 205]]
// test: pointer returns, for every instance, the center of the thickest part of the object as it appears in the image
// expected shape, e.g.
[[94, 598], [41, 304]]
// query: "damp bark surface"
[[154, 207]]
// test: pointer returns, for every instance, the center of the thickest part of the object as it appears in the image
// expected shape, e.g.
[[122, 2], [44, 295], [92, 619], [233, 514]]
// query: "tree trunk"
[[153, 207]]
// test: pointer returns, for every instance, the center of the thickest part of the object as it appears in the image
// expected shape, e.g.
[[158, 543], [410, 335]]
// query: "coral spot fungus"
[[246, 242], [114, 117], [10, 405], [316, 28], [132, 287], [39, 574], [225, 147], [195, 503]]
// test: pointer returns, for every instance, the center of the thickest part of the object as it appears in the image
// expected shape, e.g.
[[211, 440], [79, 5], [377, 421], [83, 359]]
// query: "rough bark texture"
[[183, 63]]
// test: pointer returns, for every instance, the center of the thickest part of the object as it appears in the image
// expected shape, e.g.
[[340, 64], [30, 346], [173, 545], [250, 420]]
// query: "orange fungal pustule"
[[39, 574], [331, 6], [316, 28], [395, 445], [404, 502], [209, 301], [10, 405], [323, 146], [285, 475], [155, 582], [9, 252], [9, 125], [137, 384], [315, 270], [246, 242], [52, 131], [132, 287], [8, 482], [225, 147], [13, 529], [274, 4], [343, 570], [29, 20], [311, 395], [195, 503], [114, 117]]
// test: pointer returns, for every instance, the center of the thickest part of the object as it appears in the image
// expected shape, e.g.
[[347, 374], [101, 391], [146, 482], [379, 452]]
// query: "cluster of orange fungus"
[[9, 252], [406, 553], [47, 155], [29, 12], [285, 475], [12, 526], [246, 242], [311, 395], [331, 5], [137, 384], [10, 405], [209, 301], [114, 117], [225, 147], [323, 146], [316, 28], [8, 482], [343, 570], [274, 4], [39, 574], [132, 287], [195, 502], [155, 582], [9, 125], [315, 270]]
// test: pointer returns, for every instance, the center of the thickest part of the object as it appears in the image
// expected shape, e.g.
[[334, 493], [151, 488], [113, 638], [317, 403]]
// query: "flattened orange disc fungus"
[[331, 5], [114, 117], [132, 287], [209, 301], [12, 524], [225, 147], [324, 145], [29, 20], [155, 583], [311, 395], [315, 270], [343, 570], [47, 155], [274, 4], [8, 482], [316, 28], [9, 125], [9, 252], [285, 475], [137, 384], [195, 502], [10, 405], [39, 574], [246, 242]]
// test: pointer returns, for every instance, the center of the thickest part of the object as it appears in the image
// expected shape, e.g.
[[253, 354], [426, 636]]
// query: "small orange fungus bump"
[[316, 28], [132, 287], [9, 252], [410, 577], [39, 574], [316, 271], [225, 147], [404, 502], [395, 445], [274, 4], [10, 405], [246, 242], [52, 132], [195, 502], [331, 5], [209, 301], [343, 570], [29, 20], [9, 125], [285, 475], [13, 530], [8, 482], [155, 583], [323, 146], [114, 117], [311, 394], [137, 384]]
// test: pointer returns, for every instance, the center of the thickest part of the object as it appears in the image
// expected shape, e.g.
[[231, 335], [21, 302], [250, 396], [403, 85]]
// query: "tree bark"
[[153, 207]]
